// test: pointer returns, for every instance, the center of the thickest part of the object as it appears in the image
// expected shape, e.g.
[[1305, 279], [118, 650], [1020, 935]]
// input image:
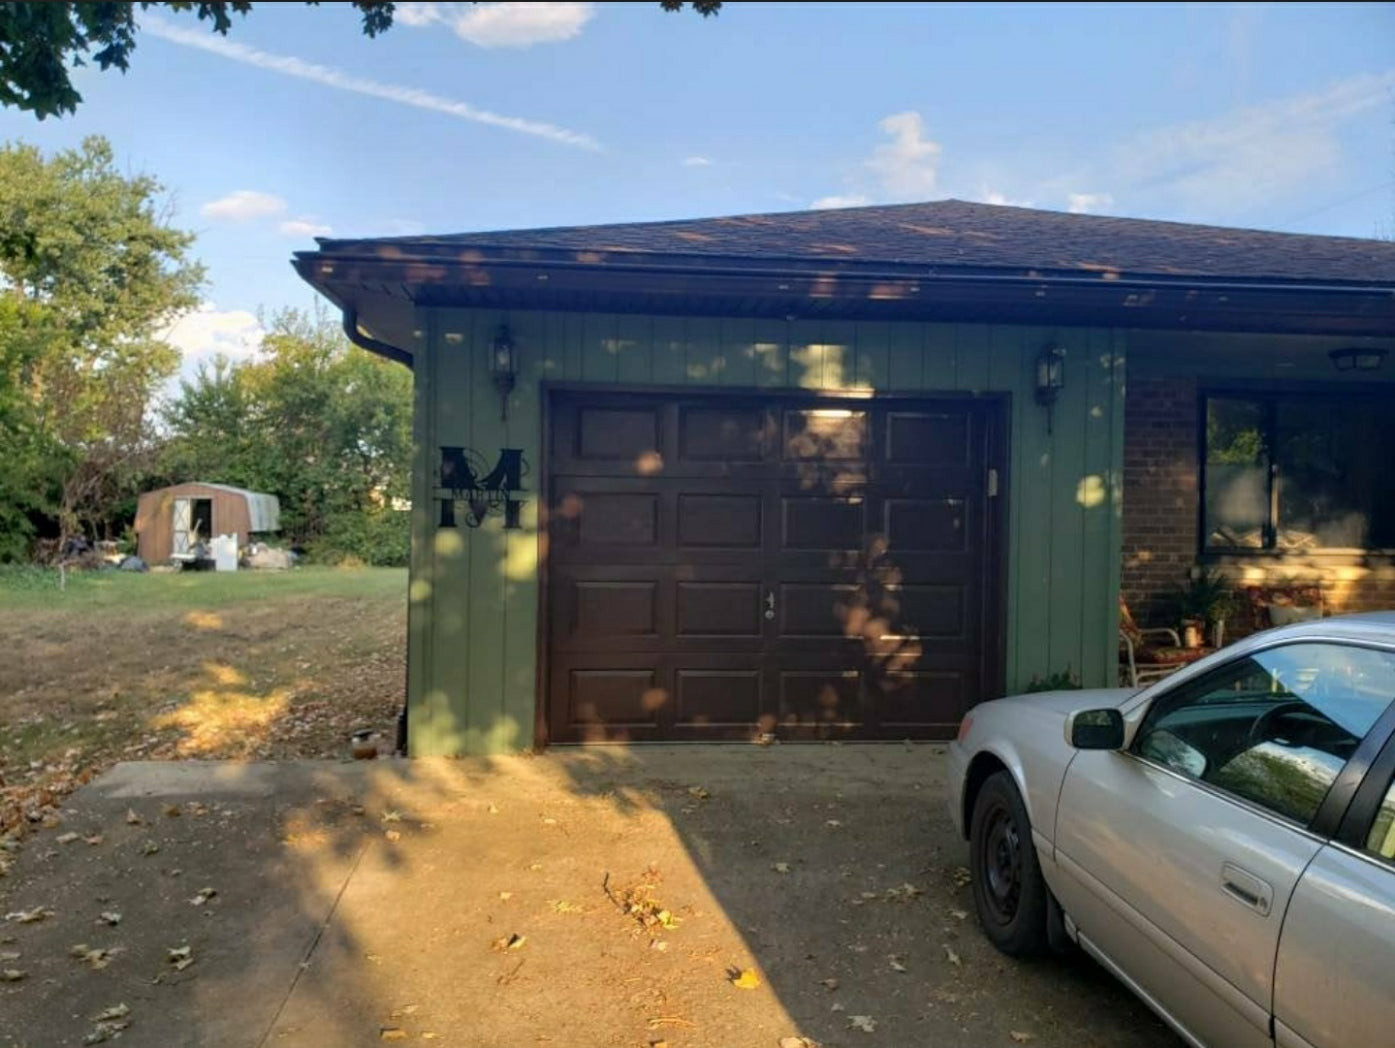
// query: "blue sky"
[[487, 116]]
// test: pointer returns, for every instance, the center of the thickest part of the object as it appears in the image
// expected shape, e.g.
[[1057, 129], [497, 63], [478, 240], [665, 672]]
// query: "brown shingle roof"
[[954, 234]]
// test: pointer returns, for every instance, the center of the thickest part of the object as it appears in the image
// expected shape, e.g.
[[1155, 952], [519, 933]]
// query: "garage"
[[802, 566]]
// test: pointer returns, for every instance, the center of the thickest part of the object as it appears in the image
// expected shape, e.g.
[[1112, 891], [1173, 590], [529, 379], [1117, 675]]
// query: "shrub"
[[381, 538]]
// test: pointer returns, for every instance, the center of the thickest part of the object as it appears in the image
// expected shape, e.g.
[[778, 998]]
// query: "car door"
[[1178, 856], [1334, 983]]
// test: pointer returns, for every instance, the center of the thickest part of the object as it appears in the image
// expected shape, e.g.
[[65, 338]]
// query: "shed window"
[[1294, 473]]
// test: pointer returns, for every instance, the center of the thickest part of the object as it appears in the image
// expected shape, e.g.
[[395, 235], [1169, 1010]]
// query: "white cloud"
[[1088, 203], [992, 196], [407, 96], [696, 161], [1248, 155], [828, 203], [501, 24], [907, 165], [202, 334], [243, 205], [305, 227]]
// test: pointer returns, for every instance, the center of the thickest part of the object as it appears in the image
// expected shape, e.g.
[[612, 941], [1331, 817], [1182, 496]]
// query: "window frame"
[[1269, 397]]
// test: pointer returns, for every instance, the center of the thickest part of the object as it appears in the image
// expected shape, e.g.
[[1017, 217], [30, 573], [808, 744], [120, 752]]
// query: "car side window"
[[1381, 840], [1274, 727]]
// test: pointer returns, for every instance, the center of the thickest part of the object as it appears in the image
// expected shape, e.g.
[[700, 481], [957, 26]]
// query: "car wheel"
[[1009, 893]]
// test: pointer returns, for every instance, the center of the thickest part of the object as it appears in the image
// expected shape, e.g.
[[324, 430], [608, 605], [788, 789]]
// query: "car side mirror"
[[1096, 729]]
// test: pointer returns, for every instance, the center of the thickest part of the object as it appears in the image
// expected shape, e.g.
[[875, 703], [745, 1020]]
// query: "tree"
[[321, 424], [38, 42], [90, 271]]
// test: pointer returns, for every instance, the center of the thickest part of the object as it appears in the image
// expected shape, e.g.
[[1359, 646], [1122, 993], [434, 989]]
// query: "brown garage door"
[[724, 566]]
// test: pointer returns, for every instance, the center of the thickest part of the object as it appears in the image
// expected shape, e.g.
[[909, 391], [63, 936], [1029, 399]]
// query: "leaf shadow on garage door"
[[831, 874]]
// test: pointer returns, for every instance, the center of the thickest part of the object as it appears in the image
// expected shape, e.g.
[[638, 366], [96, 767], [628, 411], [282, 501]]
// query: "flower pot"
[[1192, 632]]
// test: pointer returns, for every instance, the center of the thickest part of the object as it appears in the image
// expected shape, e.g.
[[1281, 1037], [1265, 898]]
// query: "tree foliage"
[[90, 272], [40, 41], [321, 424]]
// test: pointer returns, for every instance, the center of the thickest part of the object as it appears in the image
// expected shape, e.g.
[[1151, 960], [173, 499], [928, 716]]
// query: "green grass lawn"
[[26, 588], [169, 665]]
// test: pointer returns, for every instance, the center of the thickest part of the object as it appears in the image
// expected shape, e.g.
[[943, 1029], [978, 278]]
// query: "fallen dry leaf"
[[830, 985], [865, 1023], [745, 979], [781, 867], [905, 893], [94, 957], [1019, 1036], [952, 957], [505, 896], [203, 896], [797, 1042], [66, 838], [896, 965], [392, 1033], [393, 835], [115, 1013], [833, 824], [700, 792], [171, 811], [94, 840], [180, 957], [132, 819], [33, 916], [392, 816], [109, 917], [509, 942], [959, 915], [962, 876], [12, 975]]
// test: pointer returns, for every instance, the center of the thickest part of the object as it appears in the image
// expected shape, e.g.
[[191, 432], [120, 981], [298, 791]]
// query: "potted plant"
[[1207, 598]]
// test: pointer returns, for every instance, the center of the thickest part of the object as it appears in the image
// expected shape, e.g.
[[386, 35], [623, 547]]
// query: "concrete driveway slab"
[[590, 897]]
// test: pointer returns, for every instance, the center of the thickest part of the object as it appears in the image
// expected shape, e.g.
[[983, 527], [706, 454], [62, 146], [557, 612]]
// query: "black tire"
[[1009, 893]]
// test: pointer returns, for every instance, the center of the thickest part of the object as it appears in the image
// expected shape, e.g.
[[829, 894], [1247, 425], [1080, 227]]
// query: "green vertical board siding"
[[1098, 644], [670, 351], [474, 618], [772, 352]]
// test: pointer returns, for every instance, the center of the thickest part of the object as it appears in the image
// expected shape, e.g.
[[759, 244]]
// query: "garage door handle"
[[769, 604], [1245, 886]]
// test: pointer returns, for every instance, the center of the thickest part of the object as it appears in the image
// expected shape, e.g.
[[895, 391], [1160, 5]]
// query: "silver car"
[[1223, 842]]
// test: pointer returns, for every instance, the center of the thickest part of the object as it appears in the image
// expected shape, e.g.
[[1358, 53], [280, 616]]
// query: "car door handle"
[[1245, 886]]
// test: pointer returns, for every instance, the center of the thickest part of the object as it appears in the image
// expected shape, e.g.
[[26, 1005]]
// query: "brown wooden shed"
[[171, 521]]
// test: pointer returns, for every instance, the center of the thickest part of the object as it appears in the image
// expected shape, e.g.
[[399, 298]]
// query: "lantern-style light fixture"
[[1357, 358], [1051, 374], [1050, 377], [503, 367]]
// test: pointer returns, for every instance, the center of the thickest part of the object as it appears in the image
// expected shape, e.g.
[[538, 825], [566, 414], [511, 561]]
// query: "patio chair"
[[1148, 655]]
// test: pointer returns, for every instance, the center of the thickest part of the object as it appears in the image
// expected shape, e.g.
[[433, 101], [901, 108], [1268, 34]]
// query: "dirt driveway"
[[716, 896]]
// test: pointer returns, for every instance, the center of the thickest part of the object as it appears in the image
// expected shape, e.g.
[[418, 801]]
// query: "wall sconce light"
[[1050, 378], [1357, 358], [503, 367]]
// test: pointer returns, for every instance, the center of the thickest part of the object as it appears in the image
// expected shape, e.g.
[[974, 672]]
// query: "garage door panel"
[[928, 438], [614, 609], [712, 521], [614, 434], [822, 523], [718, 609], [938, 524], [615, 697], [924, 611], [921, 698], [709, 698], [821, 698], [721, 433], [824, 434]]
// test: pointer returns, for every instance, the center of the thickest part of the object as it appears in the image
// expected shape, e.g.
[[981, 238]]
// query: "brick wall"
[[1161, 498], [1160, 494]]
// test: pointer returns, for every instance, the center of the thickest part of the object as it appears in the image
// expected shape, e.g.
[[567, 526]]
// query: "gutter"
[[383, 349]]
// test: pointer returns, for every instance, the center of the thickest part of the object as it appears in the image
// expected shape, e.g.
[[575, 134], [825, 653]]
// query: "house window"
[[1294, 473]]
